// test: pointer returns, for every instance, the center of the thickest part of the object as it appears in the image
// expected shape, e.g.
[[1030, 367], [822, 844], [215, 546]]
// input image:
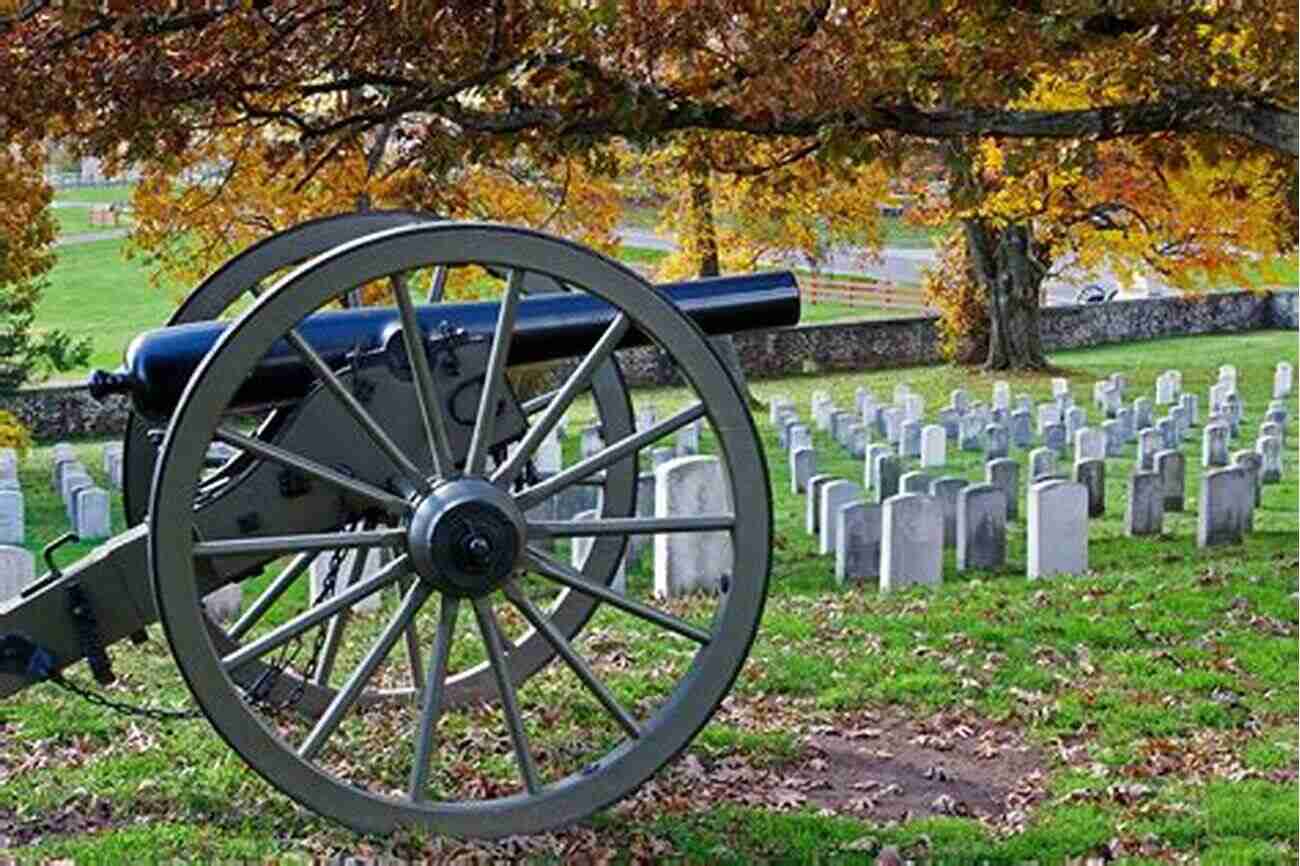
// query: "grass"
[[1165, 667], [96, 194]]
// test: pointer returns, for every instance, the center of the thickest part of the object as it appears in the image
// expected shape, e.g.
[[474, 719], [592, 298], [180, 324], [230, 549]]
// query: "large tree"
[[464, 79]]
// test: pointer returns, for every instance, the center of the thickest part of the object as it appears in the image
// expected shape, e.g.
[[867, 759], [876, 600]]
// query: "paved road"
[[901, 265]]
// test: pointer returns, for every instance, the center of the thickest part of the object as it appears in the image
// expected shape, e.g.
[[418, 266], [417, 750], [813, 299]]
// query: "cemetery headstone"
[[1168, 431], [1221, 511], [1060, 386], [1022, 433], [1149, 442], [1042, 461], [688, 439], [981, 527], [590, 441], [972, 432], [812, 513], [1124, 417], [17, 570], [580, 548], [885, 474], [873, 451], [1004, 473], [1143, 413], [915, 482], [803, 465], [834, 496], [1057, 526], [800, 436], [12, 517], [1272, 428], [1002, 395], [1144, 514], [688, 562], [1269, 449], [1171, 466], [857, 551], [1214, 446], [1048, 413], [1191, 406], [1251, 463], [1075, 420], [997, 441], [934, 446], [946, 491], [959, 400], [910, 440], [347, 572], [660, 456], [893, 424], [1113, 435], [859, 439], [1089, 444], [950, 421], [92, 513], [1282, 379], [1092, 475], [1054, 437], [911, 535]]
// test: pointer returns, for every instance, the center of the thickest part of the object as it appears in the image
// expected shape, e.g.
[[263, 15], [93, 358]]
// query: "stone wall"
[[68, 411]]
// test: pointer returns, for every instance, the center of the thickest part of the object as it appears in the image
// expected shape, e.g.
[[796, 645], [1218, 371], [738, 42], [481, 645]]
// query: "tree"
[[27, 231]]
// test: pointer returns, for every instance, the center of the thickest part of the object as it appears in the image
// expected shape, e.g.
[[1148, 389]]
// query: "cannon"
[[389, 450]]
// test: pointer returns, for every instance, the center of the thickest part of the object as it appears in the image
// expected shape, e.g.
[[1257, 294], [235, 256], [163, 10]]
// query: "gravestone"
[[1113, 435], [576, 499], [840, 423], [885, 474], [901, 390], [1025, 403], [1232, 409], [1042, 461], [1171, 466], [959, 400], [647, 416], [812, 510], [61, 468], [1059, 387], [783, 426], [1179, 419], [981, 527], [109, 452], [1148, 444], [1089, 444], [915, 482], [1063, 402], [1252, 464], [971, 432], [999, 416], [1111, 399], [1124, 418], [17, 570], [1022, 432], [911, 542], [834, 496], [859, 439], [71, 480], [910, 439], [687, 562], [1214, 446], [1228, 375], [660, 456], [800, 437], [1004, 473], [1272, 428], [861, 399], [945, 491], [1057, 526], [688, 439], [1166, 388], [873, 451], [590, 441], [1143, 414], [1278, 417], [1092, 475], [580, 548], [1096, 393], [1048, 413], [12, 526], [857, 549], [1221, 509], [803, 465], [1144, 514], [1054, 437], [822, 416], [549, 457], [997, 441], [222, 605], [1002, 395], [62, 451], [914, 407], [893, 424], [345, 576], [1191, 406], [1269, 449], [92, 514], [1282, 379], [934, 446], [1075, 420], [1168, 431], [950, 420], [777, 405]]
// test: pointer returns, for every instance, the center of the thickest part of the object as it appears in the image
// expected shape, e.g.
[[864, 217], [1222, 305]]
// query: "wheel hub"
[[466, 537]]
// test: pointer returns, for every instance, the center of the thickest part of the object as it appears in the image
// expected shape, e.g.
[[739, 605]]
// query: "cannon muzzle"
[[549, 327]]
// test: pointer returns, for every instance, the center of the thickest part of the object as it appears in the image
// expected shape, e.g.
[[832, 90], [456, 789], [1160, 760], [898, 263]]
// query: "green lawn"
[[96, 194], [1156, 693]]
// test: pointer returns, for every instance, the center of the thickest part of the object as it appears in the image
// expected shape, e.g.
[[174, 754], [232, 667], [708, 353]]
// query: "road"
[[901, 265]]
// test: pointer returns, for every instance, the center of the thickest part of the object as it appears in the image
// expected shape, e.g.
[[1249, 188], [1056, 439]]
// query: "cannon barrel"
[[549, 327]]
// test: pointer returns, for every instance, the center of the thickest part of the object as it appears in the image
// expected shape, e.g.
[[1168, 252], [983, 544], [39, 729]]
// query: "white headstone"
[[92, 513], [549, 457], [346, 565], [1048, 413], [911, 538], [981, 527], [17, 569], [1282, 379], [1057, 524], [1222, 510], [1002, 395], [1060, 386], [580, 549], [688, 439], [590, 441], [857, 537], [11, 517], [223, 604], [803, 465], [62, 451], [687, 562], [1214, 446], [914, 407], [834, 496], [934, 446], [1089, 444]]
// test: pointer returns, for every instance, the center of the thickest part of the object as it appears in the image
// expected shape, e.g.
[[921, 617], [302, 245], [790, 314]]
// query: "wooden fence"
[[862, 293]]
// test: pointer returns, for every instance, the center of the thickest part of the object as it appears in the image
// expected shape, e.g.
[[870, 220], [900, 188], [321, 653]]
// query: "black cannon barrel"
[[159, 363]]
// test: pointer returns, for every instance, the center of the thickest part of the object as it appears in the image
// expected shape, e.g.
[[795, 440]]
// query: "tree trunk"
[[1008, 266], [705, 237]]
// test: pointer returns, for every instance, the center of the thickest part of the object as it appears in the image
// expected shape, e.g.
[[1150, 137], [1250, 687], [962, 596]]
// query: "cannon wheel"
[[245, 274], [411, 783]]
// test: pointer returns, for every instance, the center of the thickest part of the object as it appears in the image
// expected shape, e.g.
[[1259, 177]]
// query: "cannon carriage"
[[395, 428]]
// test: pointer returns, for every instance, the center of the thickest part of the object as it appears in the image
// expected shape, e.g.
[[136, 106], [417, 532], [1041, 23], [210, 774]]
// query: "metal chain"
[[157, 714]]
